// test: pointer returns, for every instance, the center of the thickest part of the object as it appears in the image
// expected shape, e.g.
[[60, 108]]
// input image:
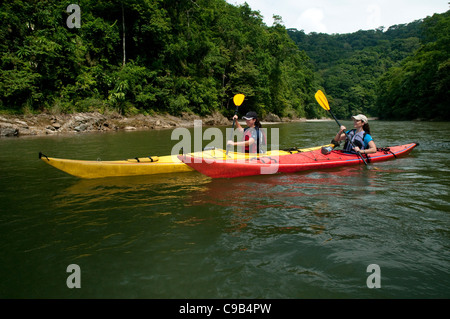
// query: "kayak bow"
[[131, 167]]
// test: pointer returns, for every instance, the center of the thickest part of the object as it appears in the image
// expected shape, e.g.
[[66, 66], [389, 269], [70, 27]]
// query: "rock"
[[271, 118], [42, 124], [81, 128], [22, 123], [216, 119], [9, 131], [27, 131], [80, 118]]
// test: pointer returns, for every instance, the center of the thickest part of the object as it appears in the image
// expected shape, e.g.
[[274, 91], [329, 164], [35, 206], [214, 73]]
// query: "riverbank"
[[49, 124]]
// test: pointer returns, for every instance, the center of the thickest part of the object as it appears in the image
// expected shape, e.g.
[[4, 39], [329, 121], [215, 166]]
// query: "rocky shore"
[[48, 124]]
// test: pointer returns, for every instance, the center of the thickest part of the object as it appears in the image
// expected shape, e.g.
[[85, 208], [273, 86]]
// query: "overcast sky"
[[344, 16]]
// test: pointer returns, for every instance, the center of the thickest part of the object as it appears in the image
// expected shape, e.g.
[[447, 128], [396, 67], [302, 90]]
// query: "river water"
[[302, 235]]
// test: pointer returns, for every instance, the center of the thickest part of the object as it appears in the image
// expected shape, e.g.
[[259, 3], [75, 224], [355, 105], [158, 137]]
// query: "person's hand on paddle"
[[340, 135], [237, 99], [341, 131], [235, 120], [323, 102]]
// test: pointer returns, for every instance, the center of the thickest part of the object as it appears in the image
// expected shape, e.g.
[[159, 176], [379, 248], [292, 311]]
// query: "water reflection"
[[138, 190], [300, 203], [249, 207], [272, 191]]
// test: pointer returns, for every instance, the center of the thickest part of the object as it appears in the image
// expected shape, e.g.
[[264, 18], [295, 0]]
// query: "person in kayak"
[[254, 137], [360, 136]]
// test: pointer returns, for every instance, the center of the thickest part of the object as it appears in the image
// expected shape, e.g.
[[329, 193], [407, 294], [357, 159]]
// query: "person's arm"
[[238, 126], [243, 143], [340, 135], [372, 148]]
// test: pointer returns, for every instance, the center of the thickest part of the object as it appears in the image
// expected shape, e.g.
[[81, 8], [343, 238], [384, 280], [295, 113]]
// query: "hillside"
[[151, 57], [360, 71], [142, 57]]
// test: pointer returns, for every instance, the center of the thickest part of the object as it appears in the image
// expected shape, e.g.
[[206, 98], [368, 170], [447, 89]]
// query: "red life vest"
[[260, 141]]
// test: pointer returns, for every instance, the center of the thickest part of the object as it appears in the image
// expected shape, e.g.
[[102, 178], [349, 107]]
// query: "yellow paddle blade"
[[238, 99], [322, 100]]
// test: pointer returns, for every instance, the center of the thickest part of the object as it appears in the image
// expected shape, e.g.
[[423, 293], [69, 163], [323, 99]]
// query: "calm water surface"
[[302, 235]]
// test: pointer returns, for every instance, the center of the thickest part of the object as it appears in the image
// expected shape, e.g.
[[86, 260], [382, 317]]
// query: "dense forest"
[[146, 56], [400, 73], [150, 55]]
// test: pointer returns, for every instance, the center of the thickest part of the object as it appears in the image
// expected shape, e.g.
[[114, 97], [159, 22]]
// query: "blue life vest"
[[360, 139]]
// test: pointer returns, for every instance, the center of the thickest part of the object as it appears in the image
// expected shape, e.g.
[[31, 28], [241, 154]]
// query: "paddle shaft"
[[360, 155], [232, 128]]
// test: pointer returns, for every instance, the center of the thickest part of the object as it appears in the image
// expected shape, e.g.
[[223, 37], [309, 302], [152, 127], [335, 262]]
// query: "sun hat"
[[361, 117], [250, 115]]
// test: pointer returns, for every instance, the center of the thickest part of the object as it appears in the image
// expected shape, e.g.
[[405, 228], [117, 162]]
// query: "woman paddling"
[[360, 136], [254, 138]]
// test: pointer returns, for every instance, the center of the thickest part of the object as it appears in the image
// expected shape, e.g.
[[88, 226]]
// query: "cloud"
[[373, 20], [311, 19], [344, 16]]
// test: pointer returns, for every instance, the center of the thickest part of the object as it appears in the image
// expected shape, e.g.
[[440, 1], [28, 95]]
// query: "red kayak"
[[302, 161]]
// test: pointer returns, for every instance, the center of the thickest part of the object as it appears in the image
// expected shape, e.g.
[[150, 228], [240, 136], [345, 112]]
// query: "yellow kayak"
[[146, 165], [130, 167]]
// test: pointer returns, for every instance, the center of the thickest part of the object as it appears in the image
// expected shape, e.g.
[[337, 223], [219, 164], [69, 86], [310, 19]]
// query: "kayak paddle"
[[237, 99], [323, 102]]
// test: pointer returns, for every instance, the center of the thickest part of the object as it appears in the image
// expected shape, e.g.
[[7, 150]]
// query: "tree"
[[351, 64], [419, 87]]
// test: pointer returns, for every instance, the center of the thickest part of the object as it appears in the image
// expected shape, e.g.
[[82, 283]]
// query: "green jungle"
[[171, 56]]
